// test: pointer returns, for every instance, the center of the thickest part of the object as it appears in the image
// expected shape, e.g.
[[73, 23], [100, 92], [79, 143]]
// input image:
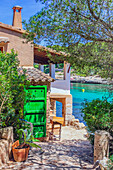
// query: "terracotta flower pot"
[[19, 154]]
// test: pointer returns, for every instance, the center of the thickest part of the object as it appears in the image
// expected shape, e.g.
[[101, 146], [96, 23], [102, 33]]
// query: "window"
[[1, 49]]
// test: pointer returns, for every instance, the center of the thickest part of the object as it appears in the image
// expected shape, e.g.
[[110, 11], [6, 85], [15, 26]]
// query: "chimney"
[[17, 20]]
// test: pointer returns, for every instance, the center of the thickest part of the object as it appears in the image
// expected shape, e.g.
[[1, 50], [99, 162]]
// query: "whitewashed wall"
[[60, 86]]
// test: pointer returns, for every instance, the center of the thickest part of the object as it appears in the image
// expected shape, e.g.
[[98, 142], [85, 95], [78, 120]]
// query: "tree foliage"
[[83, 28], [89, 59], [67, 21], [98, 115], [12, 93]]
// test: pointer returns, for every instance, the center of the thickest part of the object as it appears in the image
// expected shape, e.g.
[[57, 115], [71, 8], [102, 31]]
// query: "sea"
[[82, 92]]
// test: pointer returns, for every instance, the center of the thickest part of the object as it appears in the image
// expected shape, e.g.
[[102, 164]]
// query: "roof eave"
[[9, 27]]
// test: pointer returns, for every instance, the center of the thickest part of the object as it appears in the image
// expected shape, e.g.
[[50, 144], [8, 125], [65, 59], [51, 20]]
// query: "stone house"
[[60, 88], [11, 37]]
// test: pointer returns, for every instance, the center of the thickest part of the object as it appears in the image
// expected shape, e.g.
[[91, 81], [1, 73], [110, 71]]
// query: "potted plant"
[[20, 151]]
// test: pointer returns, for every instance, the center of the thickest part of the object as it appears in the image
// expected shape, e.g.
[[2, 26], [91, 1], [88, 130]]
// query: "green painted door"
[[35, 109]]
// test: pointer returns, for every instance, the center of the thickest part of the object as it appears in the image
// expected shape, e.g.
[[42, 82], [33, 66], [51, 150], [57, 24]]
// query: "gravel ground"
[[73, 152]]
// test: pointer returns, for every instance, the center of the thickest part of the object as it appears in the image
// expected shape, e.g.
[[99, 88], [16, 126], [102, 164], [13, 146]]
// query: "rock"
[[91, 79], [4, 154], [6, 133], [86, 135], [76, 120], [103, 163], [82, 126], [73, 121], [76, 125]]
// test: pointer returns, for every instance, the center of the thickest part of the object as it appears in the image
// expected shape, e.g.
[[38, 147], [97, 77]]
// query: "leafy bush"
[[46, 69], [12, 93], [110, 163], [36, 66], [98, 115]]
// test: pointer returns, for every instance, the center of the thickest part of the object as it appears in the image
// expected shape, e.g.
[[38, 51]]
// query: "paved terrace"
[[73, 152]]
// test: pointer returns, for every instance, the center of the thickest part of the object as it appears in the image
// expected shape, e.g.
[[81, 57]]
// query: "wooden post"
[[101, 145]]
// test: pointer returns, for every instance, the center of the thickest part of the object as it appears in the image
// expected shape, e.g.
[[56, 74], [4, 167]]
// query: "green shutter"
[[35, 109]]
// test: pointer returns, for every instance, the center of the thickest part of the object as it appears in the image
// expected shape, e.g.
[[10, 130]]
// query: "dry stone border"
[[76, 124], [67, 154]]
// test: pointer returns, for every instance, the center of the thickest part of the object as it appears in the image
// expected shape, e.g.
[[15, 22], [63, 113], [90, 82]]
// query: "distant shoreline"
[[85, 82], [90, 80]]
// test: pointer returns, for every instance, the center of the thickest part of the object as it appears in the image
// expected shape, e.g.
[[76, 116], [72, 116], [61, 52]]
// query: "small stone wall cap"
[[100, 132]]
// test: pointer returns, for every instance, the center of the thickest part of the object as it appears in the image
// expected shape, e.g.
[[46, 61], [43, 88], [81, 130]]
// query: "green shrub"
[[27, 139], [98, 115], [110, 163], [36, 66], [12, 93]]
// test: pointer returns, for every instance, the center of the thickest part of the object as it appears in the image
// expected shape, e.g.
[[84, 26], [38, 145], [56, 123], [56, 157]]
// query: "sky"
[[30, 7]]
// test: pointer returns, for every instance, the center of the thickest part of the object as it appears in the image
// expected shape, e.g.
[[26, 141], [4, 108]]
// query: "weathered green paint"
[[35, 109]]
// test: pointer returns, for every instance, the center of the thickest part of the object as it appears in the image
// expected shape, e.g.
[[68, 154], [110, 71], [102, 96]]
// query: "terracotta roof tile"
[[35, 74], [43, 48]]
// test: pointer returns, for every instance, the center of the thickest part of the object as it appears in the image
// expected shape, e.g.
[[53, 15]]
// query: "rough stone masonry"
[[6, 140]]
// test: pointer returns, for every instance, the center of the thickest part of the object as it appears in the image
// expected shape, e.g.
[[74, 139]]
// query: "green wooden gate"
[[35, 109]]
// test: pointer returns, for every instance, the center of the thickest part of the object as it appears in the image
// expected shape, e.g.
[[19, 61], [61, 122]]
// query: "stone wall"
[[101, 149], [66, 101], [68, 109], [25, 50], [52, 107], [101, 145], [6, 140]]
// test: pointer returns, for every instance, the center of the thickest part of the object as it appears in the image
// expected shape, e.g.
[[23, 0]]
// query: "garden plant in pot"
[[20, 151]]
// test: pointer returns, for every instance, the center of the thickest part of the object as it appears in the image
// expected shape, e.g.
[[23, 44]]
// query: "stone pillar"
[[101, 145], [52, 70], [68, 106], [67, 71], [41, 67], [53, 107], [6, 141]]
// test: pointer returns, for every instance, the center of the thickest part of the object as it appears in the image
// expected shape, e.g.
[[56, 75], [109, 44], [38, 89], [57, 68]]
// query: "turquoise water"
[[80, 92]]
